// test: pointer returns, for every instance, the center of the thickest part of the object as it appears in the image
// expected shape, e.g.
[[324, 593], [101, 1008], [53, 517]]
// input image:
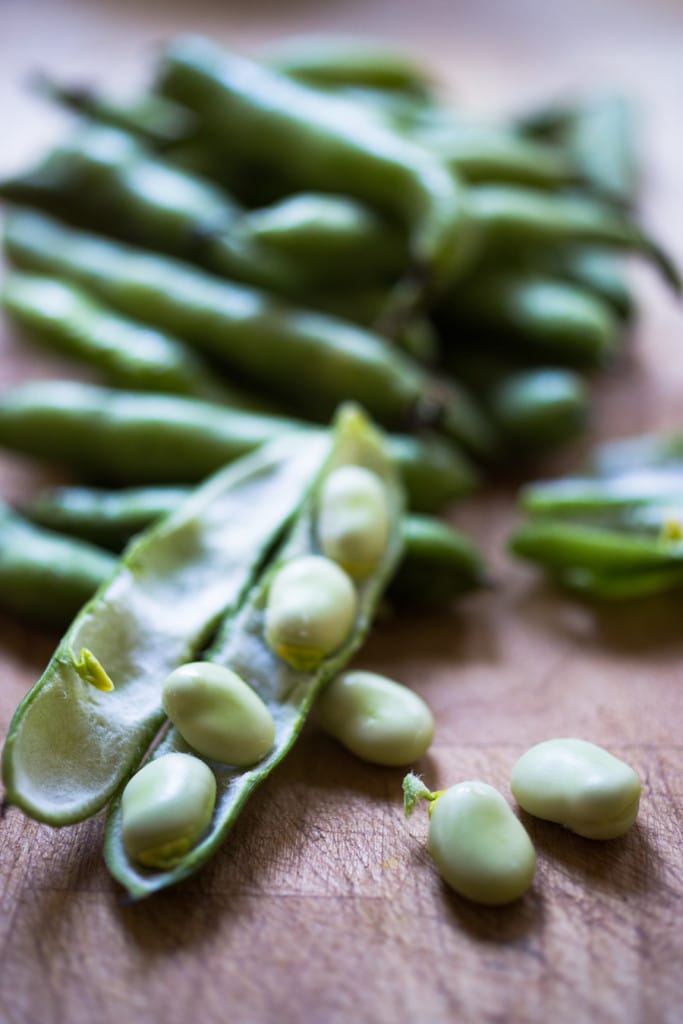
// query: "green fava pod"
[[71, 744], [241, 645]]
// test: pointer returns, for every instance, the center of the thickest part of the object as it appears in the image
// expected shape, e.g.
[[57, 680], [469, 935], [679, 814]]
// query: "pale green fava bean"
[[353, 519], [375, 718], [310, 611], [218, 714], [480, 848], [579, 785], [166, 808]]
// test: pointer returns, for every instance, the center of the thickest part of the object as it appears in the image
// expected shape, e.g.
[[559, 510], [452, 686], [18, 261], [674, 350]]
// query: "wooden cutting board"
[[323, 906]]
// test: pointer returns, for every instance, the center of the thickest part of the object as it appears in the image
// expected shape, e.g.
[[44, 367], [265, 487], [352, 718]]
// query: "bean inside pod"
[[310, 612], [165, 809], [353, 519], [218, 714]]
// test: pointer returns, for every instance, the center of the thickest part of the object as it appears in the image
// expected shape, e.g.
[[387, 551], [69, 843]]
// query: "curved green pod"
[[157, 120], [320, 142], [440, 564], [332, 240], [621, 586], [597, 133], [487, 153], [109, 518], [600, 136], [333, 61], [70, 744], [106, 179], [561, 546], [287, 693], [140, 438], [596, 270], [533, 407], [61, 316], [133, 437], [366, 305], [621, 496], [309, 359], [551, 319], [508, 218], [539, 408], [45, 577], [105, 174]]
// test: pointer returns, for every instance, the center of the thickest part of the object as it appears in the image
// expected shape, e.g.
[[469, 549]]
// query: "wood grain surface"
[[323, 907]]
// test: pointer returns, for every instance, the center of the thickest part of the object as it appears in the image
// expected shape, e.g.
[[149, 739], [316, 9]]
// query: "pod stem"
[[415, 790]]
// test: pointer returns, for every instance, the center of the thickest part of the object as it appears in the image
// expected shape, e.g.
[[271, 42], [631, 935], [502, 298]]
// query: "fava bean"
[[353, 519], [333, 241], [375, 718], [310, 611], [487, 153], [480, 848], [218, 714], [579, 785], [166, 808], [105, 517]]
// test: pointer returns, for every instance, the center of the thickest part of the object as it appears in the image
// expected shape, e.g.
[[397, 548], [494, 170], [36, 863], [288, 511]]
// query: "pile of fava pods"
[[250, 251], [249, 243], [615, 533]]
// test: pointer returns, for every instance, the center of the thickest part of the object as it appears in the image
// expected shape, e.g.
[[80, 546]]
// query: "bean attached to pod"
[[353, 519], [218, 714], [166, 808], [579, 785], [480, 848], [375, 718], [310, 611]]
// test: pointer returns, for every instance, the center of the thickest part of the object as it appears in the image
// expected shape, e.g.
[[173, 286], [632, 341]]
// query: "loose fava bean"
[[579, 785], [310, 610], [166, 807], [218, 714], [479, 846], [377, 719], [353, 519]]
